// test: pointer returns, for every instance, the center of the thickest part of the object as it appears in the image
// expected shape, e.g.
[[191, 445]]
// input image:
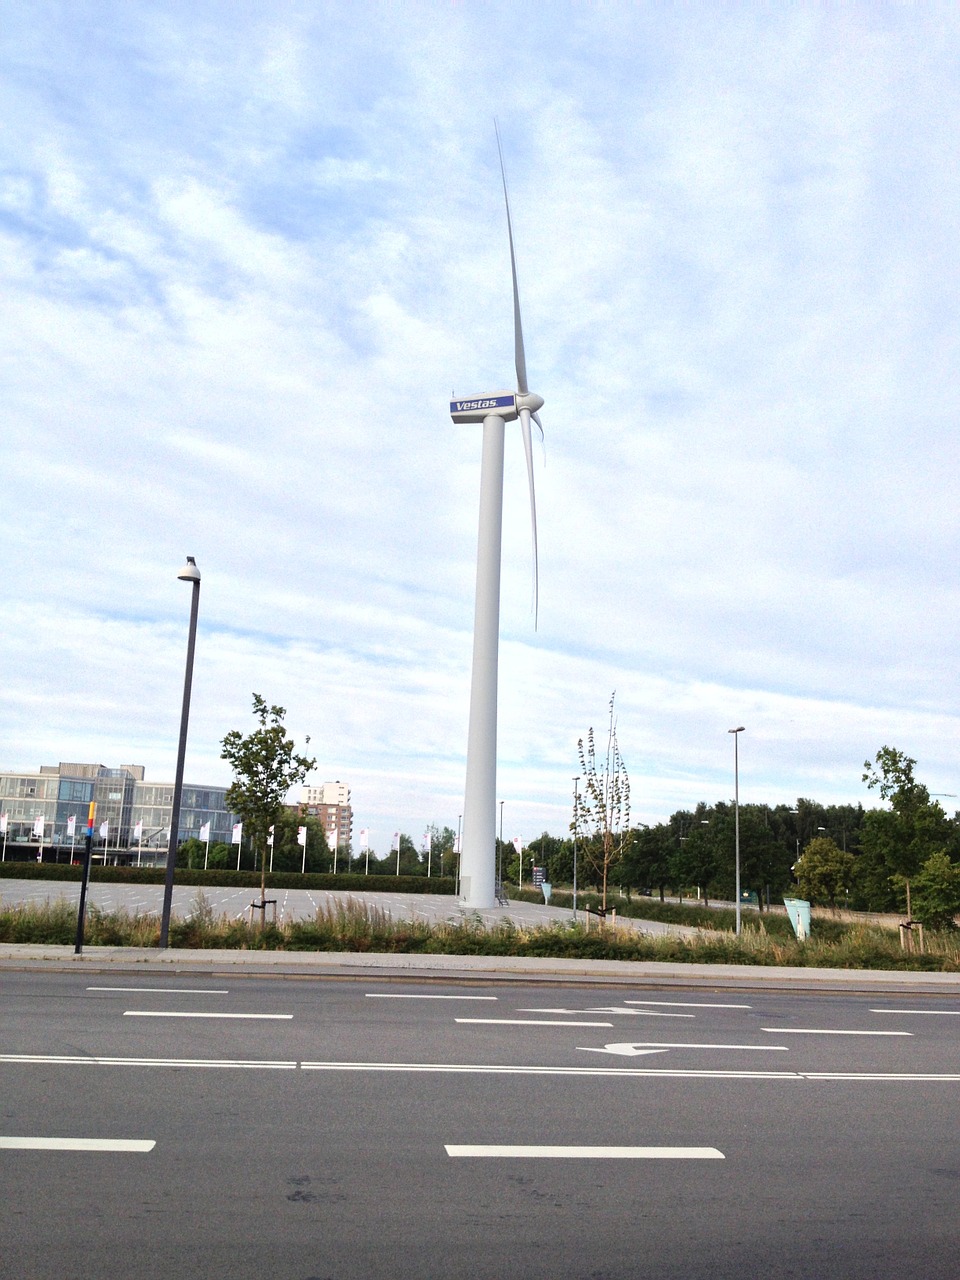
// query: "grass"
[[353, 926]]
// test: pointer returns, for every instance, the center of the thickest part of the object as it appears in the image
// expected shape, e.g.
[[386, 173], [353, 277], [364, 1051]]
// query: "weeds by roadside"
[[353, 926]]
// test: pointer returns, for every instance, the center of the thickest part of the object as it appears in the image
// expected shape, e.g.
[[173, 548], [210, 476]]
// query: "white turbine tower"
[[478, 856]]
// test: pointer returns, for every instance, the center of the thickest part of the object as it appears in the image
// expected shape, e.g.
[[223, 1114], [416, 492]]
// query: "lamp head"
[[190, 572], [740, 730]]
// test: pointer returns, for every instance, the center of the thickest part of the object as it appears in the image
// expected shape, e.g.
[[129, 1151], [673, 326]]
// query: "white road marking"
[[180, 991], [816, 1031], [587, 1153], [689, 1004], [76, 1144], [635, 1013], [168, 1013], [392, 995], [531, 1022], [927, 1013], [648, 1046], [443, 1068], [63, 1060]]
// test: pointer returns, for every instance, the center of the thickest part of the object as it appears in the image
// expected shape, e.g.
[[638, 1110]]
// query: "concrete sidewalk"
[[473, 969]]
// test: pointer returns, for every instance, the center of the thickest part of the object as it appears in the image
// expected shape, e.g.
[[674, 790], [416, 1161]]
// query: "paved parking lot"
[[299, 903]]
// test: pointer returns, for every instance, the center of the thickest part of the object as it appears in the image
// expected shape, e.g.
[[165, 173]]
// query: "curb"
[[327, 965]]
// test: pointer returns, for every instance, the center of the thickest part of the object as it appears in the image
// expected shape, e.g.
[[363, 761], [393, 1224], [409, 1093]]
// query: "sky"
[[248, 251]]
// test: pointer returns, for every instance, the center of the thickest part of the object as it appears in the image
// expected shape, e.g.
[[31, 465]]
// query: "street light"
[[500, 857], [576, 821], [189, 573], [736, 814]]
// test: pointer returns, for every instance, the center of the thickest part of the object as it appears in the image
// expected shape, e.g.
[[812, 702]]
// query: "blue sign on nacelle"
[[503, 404]]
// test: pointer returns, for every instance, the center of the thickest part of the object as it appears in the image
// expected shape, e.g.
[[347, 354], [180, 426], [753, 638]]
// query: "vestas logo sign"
[[487, 402]]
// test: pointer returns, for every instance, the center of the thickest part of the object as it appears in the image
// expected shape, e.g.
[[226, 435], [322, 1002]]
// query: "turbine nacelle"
[[504, 404]]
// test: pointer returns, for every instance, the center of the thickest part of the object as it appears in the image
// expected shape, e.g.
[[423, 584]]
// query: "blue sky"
[[248, 251]]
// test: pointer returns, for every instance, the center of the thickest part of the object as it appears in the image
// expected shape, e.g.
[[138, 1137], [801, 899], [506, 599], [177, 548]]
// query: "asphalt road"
[[334, 1130]]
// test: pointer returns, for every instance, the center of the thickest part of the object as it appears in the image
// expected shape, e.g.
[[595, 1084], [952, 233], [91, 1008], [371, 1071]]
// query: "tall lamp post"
[[190, 573], [576, 821], [736, 814]]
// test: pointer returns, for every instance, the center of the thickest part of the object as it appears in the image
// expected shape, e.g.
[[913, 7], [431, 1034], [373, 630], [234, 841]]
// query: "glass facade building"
[[124, 799]]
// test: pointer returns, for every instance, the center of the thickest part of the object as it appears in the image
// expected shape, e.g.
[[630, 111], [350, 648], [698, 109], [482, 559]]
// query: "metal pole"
[[181, 752], [85, 879], [576, 819], [500, 855], [736, 815], [478, 863]]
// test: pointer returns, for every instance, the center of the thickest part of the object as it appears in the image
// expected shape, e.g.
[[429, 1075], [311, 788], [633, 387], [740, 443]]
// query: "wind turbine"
[[478, 862]]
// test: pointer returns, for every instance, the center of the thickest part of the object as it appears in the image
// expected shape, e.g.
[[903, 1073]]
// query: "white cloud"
[[245, 261]]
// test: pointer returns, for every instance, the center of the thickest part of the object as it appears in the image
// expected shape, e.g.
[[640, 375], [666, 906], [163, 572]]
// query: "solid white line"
[[689, 1004], [530, 1022], [927, 1013], [392, 995], [589, 1153], [77, 1061], [166, 1013], [815, 1031], [76, 1144], [179, 991]]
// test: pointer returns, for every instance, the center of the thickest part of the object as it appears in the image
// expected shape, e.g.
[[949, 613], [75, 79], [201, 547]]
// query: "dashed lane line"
[[76, 1144], [179, 991], [818, 1031], [583, 1153], [169, 1013]]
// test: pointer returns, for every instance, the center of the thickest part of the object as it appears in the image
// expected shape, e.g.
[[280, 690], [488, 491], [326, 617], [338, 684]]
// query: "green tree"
[[936, 892], [902, 838], [602, 811], [824, 872], [265, 766]]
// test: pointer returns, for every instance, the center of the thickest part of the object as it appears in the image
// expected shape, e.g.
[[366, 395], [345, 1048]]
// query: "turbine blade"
[[535, 417], [520, 358], [525, 416]]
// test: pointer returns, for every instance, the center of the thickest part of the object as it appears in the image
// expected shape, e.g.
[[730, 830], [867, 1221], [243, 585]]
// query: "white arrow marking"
[[657, 1046], [635, 1013], [625, 1050]]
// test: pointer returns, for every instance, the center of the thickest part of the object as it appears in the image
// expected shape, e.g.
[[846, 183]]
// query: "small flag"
[[72, 826], [456, 843], [104, 830], [395, 845], [427, 842], [302, 836], [237, 836], [204, 830], [138, 830], [270, 837], [364, 838], [38, 827], [517, 843], [3, 824]]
